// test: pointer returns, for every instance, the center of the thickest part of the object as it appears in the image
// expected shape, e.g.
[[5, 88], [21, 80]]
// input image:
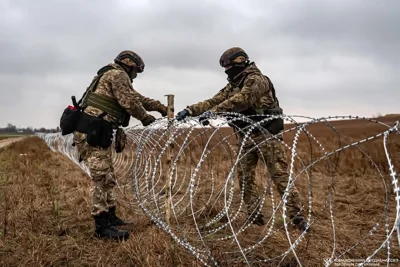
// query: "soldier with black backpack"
[[107, 104]]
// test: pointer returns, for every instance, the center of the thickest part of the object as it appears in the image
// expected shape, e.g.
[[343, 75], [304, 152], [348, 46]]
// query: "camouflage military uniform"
[[116, 84], [98, 160], [250, 89]]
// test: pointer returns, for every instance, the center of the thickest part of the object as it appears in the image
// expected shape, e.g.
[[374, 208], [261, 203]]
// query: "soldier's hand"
[[182, 114], [204, 118], [149, 119], [163, 110], [204, 121]]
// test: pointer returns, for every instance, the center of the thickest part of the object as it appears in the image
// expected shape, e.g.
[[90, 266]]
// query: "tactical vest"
[[253, 113], [270, 111], [106, 104]]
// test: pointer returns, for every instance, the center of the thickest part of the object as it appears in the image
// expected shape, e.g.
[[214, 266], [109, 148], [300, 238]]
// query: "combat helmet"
[[130, 59], [234, 56]]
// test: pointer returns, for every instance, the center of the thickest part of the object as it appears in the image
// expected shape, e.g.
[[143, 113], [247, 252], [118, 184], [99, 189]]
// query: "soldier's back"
[[105, 88]]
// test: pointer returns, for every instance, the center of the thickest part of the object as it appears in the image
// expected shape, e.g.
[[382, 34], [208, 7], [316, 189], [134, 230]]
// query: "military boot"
[[113, 218], [301, 224], [105, 229], [259, 220]]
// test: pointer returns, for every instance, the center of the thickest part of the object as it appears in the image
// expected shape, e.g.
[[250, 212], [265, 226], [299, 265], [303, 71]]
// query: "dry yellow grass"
[[45, 209]]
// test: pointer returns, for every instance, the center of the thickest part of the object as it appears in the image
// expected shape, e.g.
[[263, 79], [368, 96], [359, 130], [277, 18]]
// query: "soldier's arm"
[[203, 106], [126, 96], [243, 100], [151, 104]]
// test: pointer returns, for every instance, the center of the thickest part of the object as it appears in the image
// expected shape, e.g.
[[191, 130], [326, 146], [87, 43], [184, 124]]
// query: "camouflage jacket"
[[116, 84], [249, 91]]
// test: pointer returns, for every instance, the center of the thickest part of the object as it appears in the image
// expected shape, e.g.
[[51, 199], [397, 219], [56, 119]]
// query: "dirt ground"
[[45, 209], [8, 141]]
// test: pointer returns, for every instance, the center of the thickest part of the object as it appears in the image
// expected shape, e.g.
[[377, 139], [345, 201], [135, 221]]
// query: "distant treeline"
[[29, 130]]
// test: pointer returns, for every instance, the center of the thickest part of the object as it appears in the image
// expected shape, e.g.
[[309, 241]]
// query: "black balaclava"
[[132, 74], [129, 70], [234, 71]]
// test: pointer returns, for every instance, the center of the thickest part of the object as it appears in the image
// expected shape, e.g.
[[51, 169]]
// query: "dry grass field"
[[45, 206]]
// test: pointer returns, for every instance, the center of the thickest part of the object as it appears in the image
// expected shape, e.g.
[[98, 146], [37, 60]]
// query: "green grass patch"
[[7, 136], [2, 137]]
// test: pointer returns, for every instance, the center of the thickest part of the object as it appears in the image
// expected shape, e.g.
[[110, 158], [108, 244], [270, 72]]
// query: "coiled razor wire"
[[208, 214]]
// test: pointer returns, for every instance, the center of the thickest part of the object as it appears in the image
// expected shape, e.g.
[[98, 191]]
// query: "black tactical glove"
[[163, 111], [148, 119], [204, 118], [182, 114]]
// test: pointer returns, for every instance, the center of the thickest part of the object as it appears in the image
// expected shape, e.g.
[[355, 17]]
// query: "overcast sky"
[[324, 57]]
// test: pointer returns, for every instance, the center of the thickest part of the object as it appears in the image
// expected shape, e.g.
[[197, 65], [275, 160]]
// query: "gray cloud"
[[324, 57]]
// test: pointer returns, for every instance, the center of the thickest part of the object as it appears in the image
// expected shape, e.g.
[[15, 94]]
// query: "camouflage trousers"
[[98, 160], [273, 153]]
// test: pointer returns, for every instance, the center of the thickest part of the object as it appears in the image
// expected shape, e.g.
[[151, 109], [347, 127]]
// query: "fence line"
[[202, 207]]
